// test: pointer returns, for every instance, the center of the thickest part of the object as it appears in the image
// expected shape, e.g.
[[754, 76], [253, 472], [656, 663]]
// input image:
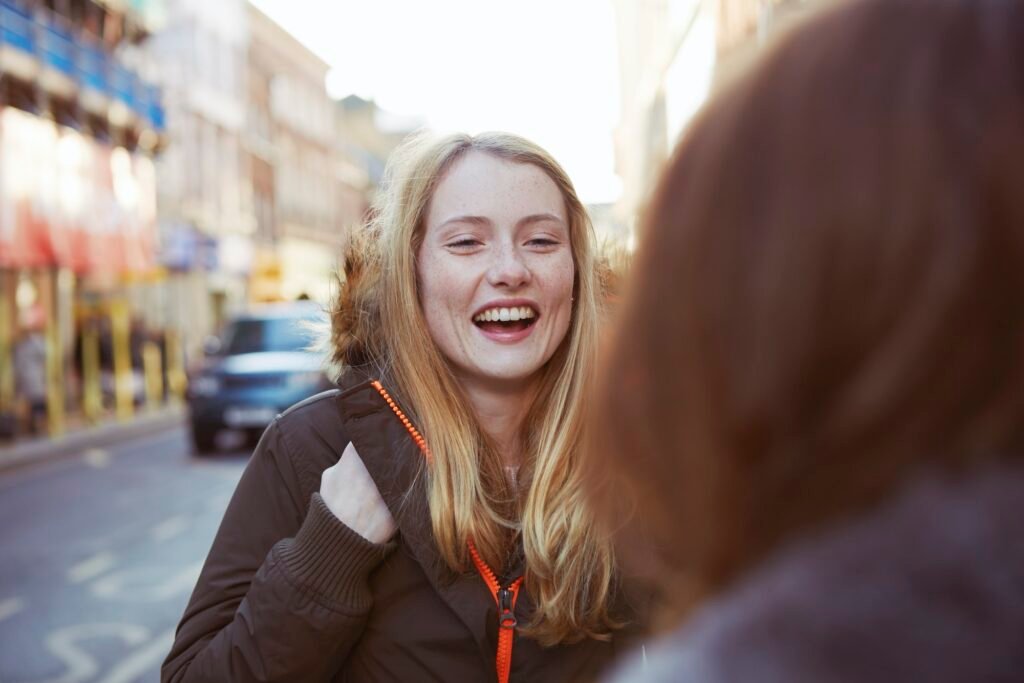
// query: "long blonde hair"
[[377, 319]]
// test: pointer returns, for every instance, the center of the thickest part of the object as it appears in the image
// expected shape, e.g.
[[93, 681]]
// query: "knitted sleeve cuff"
[[331, 560]]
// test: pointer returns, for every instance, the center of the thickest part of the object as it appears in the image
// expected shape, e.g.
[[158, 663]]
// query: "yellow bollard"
[[7, 315], [92, 392], [152, 367], [176, 378], [124, 390], [54, 359]]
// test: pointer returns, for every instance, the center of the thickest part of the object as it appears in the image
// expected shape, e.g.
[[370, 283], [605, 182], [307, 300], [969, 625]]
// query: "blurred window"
[[276, 334]]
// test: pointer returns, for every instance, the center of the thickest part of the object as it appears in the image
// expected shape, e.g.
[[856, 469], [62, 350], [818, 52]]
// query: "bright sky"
[[545, 70]]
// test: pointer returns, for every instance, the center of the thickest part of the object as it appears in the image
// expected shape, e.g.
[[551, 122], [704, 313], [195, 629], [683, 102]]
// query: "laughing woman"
[[426, 521]]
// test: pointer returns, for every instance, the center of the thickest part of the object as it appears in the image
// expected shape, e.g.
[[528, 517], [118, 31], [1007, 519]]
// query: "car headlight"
[[205, 385], [303, 379]]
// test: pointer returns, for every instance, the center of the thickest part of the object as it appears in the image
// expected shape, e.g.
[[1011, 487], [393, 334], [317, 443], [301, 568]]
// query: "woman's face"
[[496, 270]]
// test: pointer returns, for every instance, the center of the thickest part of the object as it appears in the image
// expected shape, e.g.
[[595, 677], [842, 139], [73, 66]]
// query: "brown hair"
[[829, 293]]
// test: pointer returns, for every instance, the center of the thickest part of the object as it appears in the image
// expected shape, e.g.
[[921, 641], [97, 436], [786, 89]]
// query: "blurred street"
[[178, 181], [99, 553]]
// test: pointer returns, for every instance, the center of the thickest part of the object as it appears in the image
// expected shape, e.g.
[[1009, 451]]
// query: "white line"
[[97, 458], [140, 661], [66, 644], [91, 568], [138, 587], [169, 528], [131, 446], [10, 607], [182, 582]]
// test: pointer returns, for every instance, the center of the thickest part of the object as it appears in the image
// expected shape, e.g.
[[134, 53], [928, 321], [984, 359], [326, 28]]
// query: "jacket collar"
[[395, 463]]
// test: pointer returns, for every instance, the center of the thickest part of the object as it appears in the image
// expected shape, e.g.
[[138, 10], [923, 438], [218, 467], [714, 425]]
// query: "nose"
[[507, 269]]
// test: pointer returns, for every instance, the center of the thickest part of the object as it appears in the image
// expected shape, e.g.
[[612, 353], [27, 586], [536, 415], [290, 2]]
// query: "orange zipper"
[[504, 596], [413, 432]]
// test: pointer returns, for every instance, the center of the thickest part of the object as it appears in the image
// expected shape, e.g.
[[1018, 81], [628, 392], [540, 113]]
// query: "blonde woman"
[[426, 520]]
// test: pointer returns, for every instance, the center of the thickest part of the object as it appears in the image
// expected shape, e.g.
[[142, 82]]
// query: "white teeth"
[[506, 314]]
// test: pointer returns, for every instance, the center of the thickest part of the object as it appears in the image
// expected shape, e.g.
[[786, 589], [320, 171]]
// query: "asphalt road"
[[99, 553]]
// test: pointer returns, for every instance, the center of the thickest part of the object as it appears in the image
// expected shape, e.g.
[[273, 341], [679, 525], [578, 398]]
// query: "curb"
[[42, 450]]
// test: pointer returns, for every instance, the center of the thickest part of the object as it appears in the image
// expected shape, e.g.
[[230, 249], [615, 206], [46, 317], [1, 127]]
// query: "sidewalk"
[[37, 450]]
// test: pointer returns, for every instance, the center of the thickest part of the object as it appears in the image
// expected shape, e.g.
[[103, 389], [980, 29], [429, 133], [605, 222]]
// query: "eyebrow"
[[483, 220]]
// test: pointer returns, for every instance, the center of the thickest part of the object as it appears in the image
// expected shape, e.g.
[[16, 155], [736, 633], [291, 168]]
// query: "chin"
[[506, 374]]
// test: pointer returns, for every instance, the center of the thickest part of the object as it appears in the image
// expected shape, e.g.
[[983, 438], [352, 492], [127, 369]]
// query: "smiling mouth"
[[506, 320]]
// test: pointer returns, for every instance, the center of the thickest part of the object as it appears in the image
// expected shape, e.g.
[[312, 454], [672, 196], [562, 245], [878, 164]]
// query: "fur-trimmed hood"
[[355, 335], [929, 587]]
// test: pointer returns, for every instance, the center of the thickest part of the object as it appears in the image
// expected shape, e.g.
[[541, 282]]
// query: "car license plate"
[[249, 417]]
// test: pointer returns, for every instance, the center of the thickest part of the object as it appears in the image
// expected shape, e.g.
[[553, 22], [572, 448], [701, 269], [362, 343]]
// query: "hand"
[[349, 492]]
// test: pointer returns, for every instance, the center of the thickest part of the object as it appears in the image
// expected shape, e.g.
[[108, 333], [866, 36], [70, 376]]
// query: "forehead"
[[481, 184]]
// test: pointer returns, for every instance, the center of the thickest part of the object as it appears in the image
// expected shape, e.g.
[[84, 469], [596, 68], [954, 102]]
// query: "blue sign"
[[157, 116], [122, 84], [183, 248], [91, 62], [56, 48], [16, 26]]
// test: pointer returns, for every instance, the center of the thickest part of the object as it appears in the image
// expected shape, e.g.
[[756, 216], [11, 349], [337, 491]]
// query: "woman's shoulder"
[[311, 432], [925, 587]]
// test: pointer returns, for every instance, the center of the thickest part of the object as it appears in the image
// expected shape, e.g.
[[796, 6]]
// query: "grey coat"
[[930, 587]]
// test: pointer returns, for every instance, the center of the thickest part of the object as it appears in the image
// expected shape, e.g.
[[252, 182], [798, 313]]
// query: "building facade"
[[206, 216], [365, 136], [672, 55], [745, 26], [666, 67], [80, 121], [291, 149]]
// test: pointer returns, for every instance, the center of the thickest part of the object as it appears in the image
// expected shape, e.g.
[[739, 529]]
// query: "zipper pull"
[[506, 617]]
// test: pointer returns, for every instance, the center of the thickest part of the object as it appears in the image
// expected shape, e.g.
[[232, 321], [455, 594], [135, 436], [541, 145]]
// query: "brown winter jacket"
[[289, 593]]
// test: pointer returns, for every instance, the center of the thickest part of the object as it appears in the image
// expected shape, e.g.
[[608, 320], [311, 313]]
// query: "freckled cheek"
[[559, 284], [446, 294]]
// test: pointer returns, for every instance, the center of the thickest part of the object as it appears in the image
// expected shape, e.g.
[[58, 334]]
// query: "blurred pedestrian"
[[30, 369], [138, 336], [466, 331], [816, 393]]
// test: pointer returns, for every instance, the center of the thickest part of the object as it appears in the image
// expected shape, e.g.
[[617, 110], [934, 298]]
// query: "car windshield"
[[270, 334]]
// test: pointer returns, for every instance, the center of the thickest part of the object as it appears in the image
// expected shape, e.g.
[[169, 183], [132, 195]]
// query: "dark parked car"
[[260, 365]]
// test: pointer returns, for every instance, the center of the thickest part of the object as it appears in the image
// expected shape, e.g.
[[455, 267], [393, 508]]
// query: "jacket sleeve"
[[284, 592]]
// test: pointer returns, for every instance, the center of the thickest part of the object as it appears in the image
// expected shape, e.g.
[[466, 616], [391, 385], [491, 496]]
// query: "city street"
[[99, 553]]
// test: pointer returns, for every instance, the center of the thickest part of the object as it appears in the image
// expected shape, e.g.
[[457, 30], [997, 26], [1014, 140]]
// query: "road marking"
[[79, 665], [10, 607], [169, 528], [97, 458], [156, 442], [142, 660], [92, 567], [138, 586]]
